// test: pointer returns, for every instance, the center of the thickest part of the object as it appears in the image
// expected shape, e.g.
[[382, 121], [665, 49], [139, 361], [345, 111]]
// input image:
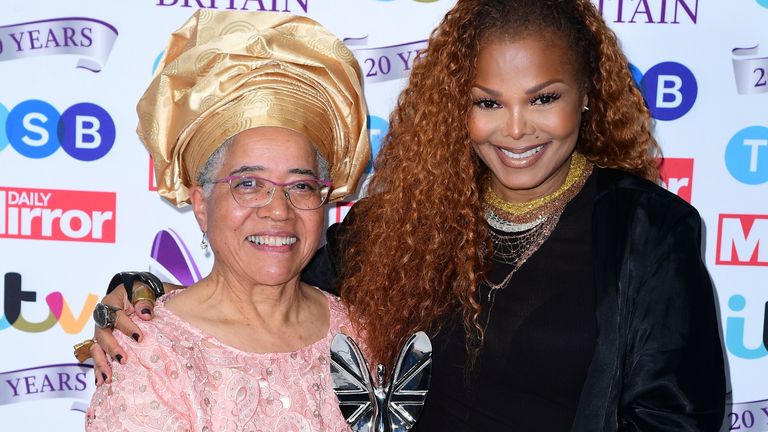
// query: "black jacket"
[[658, 363]]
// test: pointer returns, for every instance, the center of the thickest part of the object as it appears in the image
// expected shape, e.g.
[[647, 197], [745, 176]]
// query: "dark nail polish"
[[146, 311], [135, 337], [118, 357], [95, 381], [104, 376]]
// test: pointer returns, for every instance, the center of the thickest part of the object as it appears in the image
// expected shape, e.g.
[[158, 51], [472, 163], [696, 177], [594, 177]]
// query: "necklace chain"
[[524, 227]]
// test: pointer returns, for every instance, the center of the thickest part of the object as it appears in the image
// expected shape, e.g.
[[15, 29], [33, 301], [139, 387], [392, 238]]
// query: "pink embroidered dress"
[[180, 379]]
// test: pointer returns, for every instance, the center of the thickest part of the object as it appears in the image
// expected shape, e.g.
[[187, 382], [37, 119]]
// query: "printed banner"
[[86, 37], [45, 382], [750, 73]]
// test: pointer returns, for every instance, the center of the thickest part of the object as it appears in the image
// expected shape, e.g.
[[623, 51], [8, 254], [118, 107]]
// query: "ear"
[[585, 100], [199, 207]]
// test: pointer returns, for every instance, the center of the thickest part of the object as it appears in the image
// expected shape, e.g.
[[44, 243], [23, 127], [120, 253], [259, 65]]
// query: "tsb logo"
[[746, 155], [742, 240], [677, 176], [377, 129], [48, 214], [669, 89], [35, 129]]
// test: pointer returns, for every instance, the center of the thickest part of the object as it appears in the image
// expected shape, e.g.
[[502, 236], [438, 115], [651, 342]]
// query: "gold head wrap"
[[224, 72]]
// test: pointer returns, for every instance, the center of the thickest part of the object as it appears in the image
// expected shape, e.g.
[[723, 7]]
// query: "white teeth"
[[523, 155], [272, 240]]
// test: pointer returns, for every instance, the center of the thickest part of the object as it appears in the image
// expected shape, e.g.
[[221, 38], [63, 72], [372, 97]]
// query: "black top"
[[658, 363], [538, 343]]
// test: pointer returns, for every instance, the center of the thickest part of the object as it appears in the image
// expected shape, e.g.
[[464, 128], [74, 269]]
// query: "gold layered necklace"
[[521, 228]]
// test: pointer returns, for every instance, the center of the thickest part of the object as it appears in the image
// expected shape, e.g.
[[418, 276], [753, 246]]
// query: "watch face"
[[103, 316]]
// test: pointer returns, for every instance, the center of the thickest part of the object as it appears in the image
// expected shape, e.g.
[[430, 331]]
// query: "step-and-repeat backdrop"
[[77, 200]]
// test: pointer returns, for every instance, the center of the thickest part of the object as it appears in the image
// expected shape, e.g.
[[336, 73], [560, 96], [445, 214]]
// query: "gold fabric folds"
[[227, 71]]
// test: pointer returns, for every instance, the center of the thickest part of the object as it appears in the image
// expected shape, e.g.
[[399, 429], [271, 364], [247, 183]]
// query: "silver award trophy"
[[381, 406]]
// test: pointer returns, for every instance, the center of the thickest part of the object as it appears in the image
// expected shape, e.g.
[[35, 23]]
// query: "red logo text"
[[49, 214], [742, 240], [677, 176]]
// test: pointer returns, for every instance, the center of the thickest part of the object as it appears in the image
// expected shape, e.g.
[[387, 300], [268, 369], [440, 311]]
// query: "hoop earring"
[[204, 242], [585, 109]]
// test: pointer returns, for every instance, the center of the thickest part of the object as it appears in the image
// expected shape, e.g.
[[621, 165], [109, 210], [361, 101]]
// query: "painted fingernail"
[[146, 311], [104, 376], [95, 380], [119, 358], [135, 337]]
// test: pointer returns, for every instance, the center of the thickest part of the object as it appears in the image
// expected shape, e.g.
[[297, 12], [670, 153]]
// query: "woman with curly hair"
[[514, 215]]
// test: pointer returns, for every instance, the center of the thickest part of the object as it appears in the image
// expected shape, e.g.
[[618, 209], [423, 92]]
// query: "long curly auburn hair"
[[423, 245]]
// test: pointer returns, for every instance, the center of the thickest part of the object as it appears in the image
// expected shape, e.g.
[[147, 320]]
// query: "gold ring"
[[83, 350], [142, 292]]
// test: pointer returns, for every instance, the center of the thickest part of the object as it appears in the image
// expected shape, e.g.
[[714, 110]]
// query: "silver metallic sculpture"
[[381, 406]]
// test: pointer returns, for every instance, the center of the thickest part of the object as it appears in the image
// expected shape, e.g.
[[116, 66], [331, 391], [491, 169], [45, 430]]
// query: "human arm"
[[107, 347], [141, 397], [674, 377]]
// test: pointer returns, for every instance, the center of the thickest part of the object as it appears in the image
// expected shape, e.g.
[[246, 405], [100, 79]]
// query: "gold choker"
[[529, 213]]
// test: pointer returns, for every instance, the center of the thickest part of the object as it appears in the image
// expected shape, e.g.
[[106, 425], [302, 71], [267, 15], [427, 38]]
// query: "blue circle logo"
[[377, 129], [670, 90], [637, 76], [35, 129], [31, 128], [3, 122], [156, 63], [746, 155], [87, 132]]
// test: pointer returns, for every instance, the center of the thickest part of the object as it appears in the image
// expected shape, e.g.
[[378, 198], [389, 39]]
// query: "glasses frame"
[[326, 190]]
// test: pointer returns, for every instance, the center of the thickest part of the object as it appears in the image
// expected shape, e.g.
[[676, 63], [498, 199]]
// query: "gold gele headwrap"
[[224, 72]]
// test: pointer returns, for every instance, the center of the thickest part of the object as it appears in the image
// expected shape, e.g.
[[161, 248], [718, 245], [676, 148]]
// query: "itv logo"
[[59, 310]]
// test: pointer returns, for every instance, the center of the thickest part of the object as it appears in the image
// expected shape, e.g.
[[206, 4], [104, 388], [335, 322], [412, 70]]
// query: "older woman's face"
[[271, 244]]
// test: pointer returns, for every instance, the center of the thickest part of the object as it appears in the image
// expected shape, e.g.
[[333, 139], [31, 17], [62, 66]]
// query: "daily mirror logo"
[[677, 176], [742, 240], [48, 214]]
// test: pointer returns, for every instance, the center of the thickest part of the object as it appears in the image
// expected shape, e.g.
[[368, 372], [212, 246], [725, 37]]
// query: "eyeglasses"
[[255, 192]]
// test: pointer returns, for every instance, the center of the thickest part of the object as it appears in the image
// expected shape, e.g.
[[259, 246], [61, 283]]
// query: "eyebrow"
[[251, 168], [529, 91]]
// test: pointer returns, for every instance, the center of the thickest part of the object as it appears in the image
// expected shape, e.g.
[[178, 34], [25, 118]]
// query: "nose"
[[518, 124], [278, 207]]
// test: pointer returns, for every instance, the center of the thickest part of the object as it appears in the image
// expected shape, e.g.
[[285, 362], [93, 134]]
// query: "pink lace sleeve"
[[140, 397]]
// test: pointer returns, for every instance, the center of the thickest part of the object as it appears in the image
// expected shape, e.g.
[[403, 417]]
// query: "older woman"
[[244, 122]]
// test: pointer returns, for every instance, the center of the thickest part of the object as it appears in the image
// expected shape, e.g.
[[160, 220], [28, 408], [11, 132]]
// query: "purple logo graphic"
[[272, 6], [171, 261], [750, 71], [385, 63], [670, 90], [58, 381], [649, 12], [88, 38]]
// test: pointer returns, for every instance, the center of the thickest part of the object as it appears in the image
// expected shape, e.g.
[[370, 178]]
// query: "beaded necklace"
[[524, 227]]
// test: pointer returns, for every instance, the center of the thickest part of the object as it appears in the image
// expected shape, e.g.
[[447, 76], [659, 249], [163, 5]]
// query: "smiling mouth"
[[523, 155], [272, 240]]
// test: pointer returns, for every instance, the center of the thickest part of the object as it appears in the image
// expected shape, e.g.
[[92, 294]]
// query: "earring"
[[204, 242], [585, 109]]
